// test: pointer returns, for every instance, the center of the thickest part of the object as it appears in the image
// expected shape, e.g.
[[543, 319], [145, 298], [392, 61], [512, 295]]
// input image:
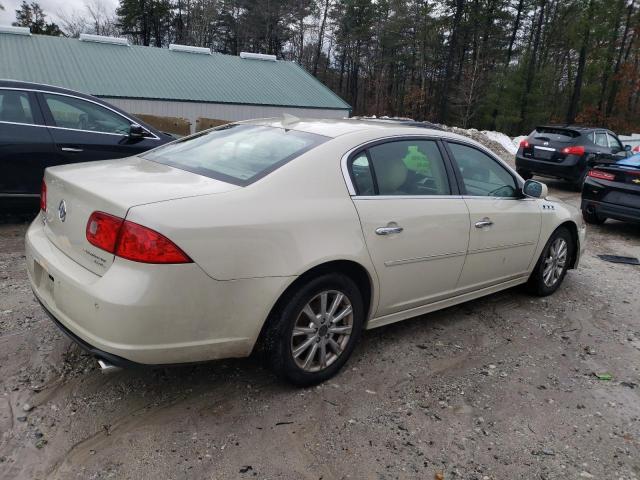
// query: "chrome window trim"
[[407, 197], [19, 195], [154, 136]]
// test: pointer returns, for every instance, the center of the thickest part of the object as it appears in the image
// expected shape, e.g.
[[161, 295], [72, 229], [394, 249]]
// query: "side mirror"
[[534, 189], [628, 148], [136, 131]]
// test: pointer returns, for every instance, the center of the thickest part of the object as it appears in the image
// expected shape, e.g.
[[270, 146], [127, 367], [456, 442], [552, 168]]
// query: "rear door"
[[26, 147], [84, 130], [505, 228], [415, 223]]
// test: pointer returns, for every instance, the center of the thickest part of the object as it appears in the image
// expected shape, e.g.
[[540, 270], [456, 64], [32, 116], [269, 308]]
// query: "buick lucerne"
[[286, 236]]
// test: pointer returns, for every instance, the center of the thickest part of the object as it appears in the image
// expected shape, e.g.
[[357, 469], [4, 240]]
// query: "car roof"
[[577, 128], [18, 84], [337, 127], [43, 86]]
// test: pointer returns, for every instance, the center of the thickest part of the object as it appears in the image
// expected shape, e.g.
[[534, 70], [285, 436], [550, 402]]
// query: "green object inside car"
[[417, 161]]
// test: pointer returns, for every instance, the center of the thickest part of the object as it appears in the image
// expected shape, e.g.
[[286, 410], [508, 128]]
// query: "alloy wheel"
[[555, 262], [322, 331]]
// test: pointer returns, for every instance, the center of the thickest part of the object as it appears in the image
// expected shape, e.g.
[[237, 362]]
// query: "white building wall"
[[223, 111]]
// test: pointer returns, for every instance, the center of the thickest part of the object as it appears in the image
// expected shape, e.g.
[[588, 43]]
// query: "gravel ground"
[[499, 388]]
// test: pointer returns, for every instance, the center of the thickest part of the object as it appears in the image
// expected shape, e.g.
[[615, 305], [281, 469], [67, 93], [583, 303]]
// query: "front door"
[[505, 228], [415, 223], [85, 130]]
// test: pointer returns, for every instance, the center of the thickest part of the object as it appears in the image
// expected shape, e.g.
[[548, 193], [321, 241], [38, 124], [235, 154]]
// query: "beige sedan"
[[287, 237]]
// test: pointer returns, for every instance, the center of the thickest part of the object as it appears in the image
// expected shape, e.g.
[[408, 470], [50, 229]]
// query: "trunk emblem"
[[62, 211], [636, 181], [546, 144]]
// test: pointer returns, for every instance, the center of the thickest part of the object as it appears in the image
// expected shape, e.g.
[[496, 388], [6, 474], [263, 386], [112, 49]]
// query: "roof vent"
[[186, 48], [15, 30], [86, 37], [258, 56]]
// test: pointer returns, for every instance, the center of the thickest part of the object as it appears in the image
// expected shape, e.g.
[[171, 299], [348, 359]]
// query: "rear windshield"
[[238, 154], [559, 132]]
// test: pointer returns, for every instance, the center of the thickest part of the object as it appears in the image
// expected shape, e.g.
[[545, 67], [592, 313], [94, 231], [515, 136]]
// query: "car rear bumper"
[[611, 210], [566, 170], [149, 314]]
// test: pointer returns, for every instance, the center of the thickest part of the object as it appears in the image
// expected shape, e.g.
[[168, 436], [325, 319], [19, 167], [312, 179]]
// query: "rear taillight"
[[43, 196], [524, 144], [141, 244], [601, 175], [575, 150], [103, 230], [132, 241]]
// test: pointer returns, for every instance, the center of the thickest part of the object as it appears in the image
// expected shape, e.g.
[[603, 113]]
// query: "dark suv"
[[41, 126], [564, 152]]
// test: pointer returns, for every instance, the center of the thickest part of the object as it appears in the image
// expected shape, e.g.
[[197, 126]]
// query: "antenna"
[[86, 37], [186, 48], [288, 119]]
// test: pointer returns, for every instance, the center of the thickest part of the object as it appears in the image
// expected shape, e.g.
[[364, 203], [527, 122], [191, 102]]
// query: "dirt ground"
[[498, 388]]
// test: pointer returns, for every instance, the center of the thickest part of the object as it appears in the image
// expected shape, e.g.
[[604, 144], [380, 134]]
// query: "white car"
[[286, 236]]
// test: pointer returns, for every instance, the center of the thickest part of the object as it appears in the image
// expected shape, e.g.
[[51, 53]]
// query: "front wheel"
[[553, 263], [315, 329]]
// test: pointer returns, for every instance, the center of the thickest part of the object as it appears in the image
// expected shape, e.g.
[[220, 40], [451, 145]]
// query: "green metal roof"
[[107, 70]]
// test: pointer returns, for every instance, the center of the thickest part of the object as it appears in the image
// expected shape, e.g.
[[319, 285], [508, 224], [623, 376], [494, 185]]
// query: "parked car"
[[612, 190], [564, 152], [43, 126], [287, 236]]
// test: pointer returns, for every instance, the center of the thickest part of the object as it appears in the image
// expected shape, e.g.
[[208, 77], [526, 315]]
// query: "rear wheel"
[[315, 329], [553, 263], [525, 174], [593, 218], [578, 184]]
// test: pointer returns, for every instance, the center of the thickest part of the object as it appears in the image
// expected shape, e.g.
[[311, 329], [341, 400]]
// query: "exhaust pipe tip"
[[106, 367]]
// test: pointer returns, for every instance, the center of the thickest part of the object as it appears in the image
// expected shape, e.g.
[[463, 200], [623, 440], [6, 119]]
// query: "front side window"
[[70, 112], [481, 174], [614, 142], [15, 107], [409, 167], [239, 154]]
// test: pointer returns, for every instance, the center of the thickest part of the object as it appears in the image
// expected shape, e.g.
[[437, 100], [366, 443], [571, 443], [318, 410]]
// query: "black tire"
[[536, 283], [578, 184], [525, 174], [279, 332], [593, 218]]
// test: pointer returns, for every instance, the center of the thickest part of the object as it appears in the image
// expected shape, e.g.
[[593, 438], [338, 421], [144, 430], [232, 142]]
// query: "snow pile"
[[506, 142]]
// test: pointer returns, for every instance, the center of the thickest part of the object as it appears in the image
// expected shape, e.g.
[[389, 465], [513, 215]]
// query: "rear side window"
[[15, 107], [403, 167], [238, 154], [481, 174], [601, 139]]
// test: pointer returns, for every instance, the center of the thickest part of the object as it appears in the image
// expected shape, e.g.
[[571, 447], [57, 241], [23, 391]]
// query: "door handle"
[[71, 149], [485, 222], [388, 230]]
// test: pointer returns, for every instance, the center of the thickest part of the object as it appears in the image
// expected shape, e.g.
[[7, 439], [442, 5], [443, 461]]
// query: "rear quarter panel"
[[293, 219]]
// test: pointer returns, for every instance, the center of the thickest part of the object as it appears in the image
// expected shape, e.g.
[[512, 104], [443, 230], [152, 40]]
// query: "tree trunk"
[[574, 104]]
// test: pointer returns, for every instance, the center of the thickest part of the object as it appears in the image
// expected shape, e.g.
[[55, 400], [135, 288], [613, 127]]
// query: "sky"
[[51, 8]]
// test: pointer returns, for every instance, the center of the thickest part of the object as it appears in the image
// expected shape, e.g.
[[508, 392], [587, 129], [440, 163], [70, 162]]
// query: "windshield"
[[238, 154]]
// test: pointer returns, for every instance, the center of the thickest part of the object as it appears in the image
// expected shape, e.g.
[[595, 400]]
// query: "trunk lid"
[[75, 191]]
